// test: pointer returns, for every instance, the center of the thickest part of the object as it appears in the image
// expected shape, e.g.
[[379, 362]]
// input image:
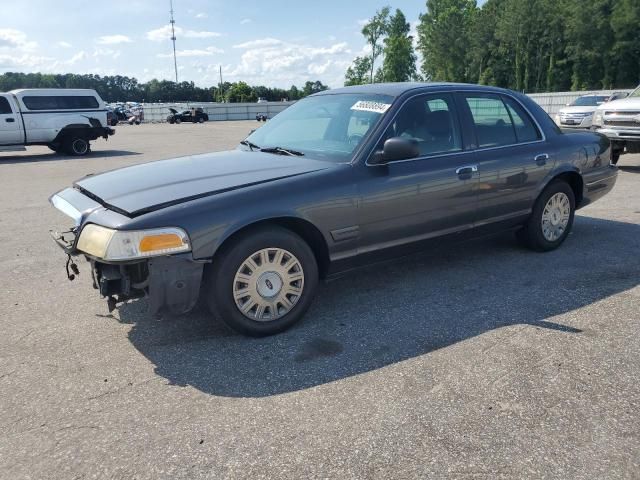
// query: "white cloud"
[[106, 52], [275, 62], [63, 44], [202, 15], [362, 22], [193, 53], [164, 33], [260, 43], [194, 34], [244, 21], [113, 39], [11, 38]]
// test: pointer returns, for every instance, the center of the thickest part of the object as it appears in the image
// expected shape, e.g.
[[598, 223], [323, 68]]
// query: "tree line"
[[122, 88], [525, 45]]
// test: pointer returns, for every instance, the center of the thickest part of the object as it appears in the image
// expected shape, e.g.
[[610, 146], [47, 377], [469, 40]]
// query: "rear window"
[[5, 108], [75, 102]]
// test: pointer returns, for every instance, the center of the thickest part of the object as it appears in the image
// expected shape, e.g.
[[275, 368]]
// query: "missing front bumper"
[[171, 283]]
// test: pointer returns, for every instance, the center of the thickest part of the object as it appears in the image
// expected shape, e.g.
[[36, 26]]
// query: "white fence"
[[552, 102], [158, 112]]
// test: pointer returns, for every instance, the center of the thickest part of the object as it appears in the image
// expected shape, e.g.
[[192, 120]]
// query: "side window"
[[492, 120], [526, 131], [432, 121], [40, 103], [5, 108], [84, 102]]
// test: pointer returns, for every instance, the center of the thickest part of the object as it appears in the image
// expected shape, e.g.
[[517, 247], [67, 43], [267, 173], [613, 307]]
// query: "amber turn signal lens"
[[163, 241]]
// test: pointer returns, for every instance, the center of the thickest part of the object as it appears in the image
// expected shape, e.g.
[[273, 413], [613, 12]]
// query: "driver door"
[[419, 198]]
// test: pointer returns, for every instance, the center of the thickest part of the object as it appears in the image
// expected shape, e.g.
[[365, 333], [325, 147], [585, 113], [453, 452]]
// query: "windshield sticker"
[[368, 106]]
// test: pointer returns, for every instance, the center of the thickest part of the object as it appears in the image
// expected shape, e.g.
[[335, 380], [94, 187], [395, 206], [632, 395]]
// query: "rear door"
[[511, 154], [10, 125]]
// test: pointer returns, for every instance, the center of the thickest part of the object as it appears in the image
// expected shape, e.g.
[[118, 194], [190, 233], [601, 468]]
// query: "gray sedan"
[[340, 179]]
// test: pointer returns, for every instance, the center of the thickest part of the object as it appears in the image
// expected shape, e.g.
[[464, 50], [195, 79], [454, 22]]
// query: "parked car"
[[578, 113], [65, 120], [338, 180], [619, 120], [194, 115], [261, 117]]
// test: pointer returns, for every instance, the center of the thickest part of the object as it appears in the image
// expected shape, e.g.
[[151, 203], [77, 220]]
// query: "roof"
[[54, 91], [397, 89]]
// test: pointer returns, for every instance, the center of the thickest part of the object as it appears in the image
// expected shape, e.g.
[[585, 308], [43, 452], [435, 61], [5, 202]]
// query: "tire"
[[201, 120], [177, 120], [279, 311], [556, 204], [615, 156], [77, 146]]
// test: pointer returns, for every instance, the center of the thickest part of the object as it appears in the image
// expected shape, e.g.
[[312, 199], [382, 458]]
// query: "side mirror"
[[396, 148]]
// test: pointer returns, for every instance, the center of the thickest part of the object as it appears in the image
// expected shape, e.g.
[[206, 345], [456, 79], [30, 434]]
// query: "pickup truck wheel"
[[263, 282], [177, 120], [77, 146], [551, 219]]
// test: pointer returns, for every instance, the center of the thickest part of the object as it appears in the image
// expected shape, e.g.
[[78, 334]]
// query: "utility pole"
[[221, 89], [173, 39]]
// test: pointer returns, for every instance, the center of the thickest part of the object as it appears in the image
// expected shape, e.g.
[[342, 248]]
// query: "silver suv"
[[620, 122]]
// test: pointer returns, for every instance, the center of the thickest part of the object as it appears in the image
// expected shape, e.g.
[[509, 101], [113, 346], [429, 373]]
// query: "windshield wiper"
[[249, 144], [282, 151]]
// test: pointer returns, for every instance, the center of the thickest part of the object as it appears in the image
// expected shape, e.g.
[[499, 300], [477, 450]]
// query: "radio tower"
[[173, 39]]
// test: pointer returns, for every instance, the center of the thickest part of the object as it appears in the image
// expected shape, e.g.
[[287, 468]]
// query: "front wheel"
[[263, 282], [551, 219]]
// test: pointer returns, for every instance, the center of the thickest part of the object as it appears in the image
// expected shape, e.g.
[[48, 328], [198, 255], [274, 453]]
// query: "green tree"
[[399, 58], [373, 31], [240, 92], [313, 87], [444, 35], [358, 72], [625, 22]]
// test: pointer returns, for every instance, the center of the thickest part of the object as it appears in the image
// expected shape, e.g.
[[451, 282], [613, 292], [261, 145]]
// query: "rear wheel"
[[77, 146], [263, 282], [551, 219]]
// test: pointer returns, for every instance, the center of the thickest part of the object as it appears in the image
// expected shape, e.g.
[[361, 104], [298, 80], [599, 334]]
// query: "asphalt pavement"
[[479, 361]]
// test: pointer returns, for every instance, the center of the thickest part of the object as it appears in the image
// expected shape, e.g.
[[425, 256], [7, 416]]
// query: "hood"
[[632, 103], [173, 110], [144, 188], [577, 109]]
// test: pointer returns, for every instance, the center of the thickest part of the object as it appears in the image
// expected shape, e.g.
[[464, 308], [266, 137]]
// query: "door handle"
[[542, 159], [9, 119], [467, 170]]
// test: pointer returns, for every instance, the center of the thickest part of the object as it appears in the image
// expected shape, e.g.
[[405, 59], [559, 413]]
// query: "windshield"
[[590, 101], [329, 127], [635, 93]]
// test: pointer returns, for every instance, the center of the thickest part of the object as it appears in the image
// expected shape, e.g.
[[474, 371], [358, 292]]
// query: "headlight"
[[111, 244], [597, 118]]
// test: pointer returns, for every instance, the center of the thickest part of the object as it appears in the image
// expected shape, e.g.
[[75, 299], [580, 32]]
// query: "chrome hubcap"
[[555, 216], [268, 284]]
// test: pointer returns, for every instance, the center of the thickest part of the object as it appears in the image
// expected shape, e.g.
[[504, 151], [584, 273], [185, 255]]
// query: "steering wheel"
[[355, 139]]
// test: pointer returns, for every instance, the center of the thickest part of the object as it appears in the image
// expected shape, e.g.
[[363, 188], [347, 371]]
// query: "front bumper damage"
[[171, 283]]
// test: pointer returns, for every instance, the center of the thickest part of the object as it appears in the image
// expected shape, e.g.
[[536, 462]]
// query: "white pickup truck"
[[620, 122], [65, 120]]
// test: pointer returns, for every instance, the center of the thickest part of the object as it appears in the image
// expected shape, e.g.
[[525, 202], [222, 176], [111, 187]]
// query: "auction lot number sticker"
[[369, 106]]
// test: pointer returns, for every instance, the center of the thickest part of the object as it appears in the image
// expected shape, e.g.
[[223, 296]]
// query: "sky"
[[275, 43]]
